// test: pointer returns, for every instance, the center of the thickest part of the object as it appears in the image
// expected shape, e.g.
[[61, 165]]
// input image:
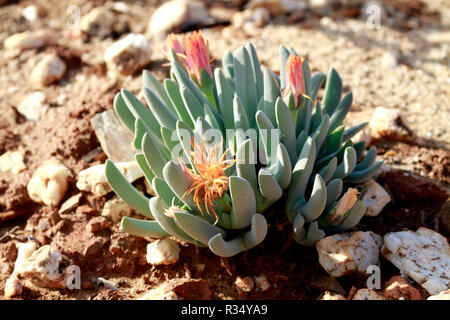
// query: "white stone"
[[121, 7], [375, 198], [115, 208], [115, 139], [244, 284], [278, 7], [30, 40], [98, 22], [171, 15], [13, 287], [31, 13], [390, 60], [24, 251], [163, 252], [129, 54], [261, 282], [423, 256], [12, 162], [93, 179], [319, 4], [50, 69], [49, 183], [250, 19], [389, 123], [328, 295], [349, 253], [46, 267], [33, 106], [70, 203], [367, 294], [444, 295]]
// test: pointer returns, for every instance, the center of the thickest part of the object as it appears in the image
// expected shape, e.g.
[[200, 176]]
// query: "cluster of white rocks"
[[423, 256], [44, 267]]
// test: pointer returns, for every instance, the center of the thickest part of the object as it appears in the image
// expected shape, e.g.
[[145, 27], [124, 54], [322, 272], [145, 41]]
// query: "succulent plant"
[[278, 146]]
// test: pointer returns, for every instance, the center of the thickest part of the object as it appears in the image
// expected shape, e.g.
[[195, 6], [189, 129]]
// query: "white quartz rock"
[[171, 15], [423, 256], [46, 267], [30, 40], [49, 183], [128, 55], [33, 106], [13, 287], [444, 295], [367, 294], [93, 179], [12, 161], [375, 198], [24, 251], [349, 253], [163, 252], [115, 209], [50, 68], [390, 124]]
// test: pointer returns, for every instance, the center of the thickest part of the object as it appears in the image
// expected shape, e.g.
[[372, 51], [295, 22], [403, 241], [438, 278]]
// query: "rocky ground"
[[56, 79]]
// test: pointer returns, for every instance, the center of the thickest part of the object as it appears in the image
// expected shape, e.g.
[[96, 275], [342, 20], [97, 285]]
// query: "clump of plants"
[[221, 145]]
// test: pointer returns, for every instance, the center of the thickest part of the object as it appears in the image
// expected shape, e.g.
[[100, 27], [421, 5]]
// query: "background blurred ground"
[[404, 64]]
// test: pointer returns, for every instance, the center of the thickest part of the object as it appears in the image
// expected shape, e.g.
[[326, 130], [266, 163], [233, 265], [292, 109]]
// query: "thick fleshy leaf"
[[245, 83], [282, 169], [244, 204], [334, 190], [140, 111], [316, 203], [196, 227], [271, 93], [341, 111], [364, 175], [122, 111], [268, 185], [286, 126], [143, 228], [174, 93], [243, 242], [149, 81], [313, 235], [125, 190], [158, 209], [153, 155], [333, 91]]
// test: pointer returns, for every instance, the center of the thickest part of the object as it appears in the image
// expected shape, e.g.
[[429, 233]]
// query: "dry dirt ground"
[[418, 84]]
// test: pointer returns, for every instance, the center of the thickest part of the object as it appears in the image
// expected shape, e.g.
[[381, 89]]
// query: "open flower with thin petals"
[[344, 205], [294, 79], [210, 180]]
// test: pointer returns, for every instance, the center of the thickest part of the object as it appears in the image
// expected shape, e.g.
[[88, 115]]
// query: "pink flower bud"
[[173, 43], [197, 55], [294, 78]]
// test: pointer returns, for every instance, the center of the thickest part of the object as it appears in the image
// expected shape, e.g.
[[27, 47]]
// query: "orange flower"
[[344, 205], [197, 55], [209, 177], [294, 78]]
